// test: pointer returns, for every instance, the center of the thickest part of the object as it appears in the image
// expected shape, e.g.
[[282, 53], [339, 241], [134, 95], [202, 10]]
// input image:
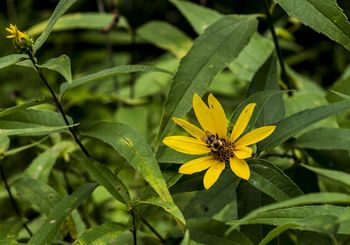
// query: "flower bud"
[[21, 40]]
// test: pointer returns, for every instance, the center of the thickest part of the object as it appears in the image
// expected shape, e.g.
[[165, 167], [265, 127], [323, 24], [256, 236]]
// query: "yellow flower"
[[21, 40], [214, 141]]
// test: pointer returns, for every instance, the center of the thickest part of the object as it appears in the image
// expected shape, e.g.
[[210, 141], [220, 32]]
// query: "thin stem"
[[277, 46], [134, 228], [59, 106], [12, 199], [153, 230]]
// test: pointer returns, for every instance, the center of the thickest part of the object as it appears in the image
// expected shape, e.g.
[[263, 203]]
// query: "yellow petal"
[[218, 115], [190, 128], [242, 121], [187, 145], [197, 165], [203, 114], [243, 152], [240, 168], [255, 136], [212, 174]]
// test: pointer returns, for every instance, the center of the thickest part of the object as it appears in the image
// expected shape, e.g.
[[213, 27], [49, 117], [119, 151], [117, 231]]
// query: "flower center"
[[221, 148]]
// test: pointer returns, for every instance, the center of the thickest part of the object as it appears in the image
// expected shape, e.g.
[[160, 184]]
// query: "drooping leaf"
[[275, 233], [103, 234], [323, 16], [105, 177], [125, 69], [60, 9], [136, 151], [209, 55], [271, 180], [11, 59], [61, 65], [165, 36], [291, 125], [48, 231]]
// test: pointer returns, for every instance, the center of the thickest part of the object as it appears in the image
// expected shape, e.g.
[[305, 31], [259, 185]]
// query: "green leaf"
[[207, 203], [136, 151], [267, 78], [36, 192], [125, 69], [11, 59], [293, 124], [165, 36], [198, 16], [275, 233], [311, 198], [209, 55], [32, 122], [40, 168], [323, 16], [20, 107], [271, 180], [168, 206], [60, 9], [319, 139], [48, 231], [333, 175], [61, 65], [103, 234], [89, 21], [105, 177], [9, 231], [213, 232]]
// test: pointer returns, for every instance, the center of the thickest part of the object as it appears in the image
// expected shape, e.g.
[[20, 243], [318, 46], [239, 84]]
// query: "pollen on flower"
[[221, 148]]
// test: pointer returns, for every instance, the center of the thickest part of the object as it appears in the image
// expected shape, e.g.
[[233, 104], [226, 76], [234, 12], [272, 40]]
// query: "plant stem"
[[134, 228], [153, 230], [277, 47], [58, 105], [12, 199]]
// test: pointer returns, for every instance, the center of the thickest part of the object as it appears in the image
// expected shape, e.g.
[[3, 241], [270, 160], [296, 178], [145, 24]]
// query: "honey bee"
[[213, 141]]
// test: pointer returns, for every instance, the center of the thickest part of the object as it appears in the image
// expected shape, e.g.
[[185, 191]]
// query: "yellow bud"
[[21, 40]]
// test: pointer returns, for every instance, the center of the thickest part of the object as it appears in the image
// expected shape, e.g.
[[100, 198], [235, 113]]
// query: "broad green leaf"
[[8, 111], [291, 125], [198, 16], [266, 78], [60, 9], [32, 122], [271, 180], [48, 231], [334, 175], [36, 192], [209, 55], [301, 216], [9, 230], [207, 203], [136, 151], [102, 234], [213, 232], [324, 16], [61, 65], [311, 198], [275, 233], [105, 177], [319, 139], [40, 168], [125, 69], [252, 57], [168, 206], [11, 59], [165, 36], [4, 144], [89, 21]]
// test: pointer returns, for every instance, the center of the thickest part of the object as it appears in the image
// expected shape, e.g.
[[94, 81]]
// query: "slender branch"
[[12, 199], [153, 230], [134, 228], [277, 47], [58, 105]]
